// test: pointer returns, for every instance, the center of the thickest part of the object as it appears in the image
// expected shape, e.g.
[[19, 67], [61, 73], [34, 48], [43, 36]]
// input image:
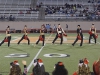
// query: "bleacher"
[[19, 8], [15, 7], [60, 15]]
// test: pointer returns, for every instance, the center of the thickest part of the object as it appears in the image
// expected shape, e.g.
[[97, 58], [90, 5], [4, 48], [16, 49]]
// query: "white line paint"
[[92, 41], [15, 39], [28, 68], [98, 42], [86, 38]]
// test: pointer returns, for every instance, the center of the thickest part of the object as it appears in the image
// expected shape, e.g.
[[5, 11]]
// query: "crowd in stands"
[[29, 10], [69, 10], [10, 18], [75, 10], [59, 68]]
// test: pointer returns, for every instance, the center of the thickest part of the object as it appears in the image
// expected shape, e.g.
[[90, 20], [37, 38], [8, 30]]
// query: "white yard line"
[[12, 40], [98, 42], [15, 39], [87, 38], [28, 68], [91, 40]]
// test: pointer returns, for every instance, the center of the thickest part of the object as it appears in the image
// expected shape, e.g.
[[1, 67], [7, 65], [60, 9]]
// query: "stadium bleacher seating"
[[20, 9], [17, 8]]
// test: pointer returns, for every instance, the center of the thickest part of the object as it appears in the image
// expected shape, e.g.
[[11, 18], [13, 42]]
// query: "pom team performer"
[[25, 36], [8, 37], [93, 33], [42, 35], [59, 34], [79, 35]]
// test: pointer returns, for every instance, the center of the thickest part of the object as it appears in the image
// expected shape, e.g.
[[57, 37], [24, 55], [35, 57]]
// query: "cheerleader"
[[79, 35], [59, 34], [25, 36], [93, 33], [42, 35], [8, 37]]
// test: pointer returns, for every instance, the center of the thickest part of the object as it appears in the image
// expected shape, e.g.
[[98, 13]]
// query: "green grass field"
[[90, 51]]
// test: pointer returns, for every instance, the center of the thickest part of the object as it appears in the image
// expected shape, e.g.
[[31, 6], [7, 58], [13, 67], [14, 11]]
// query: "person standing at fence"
[[48, 28], [8, 37], [42, 35], [25, 36], [67, 28], [59, 34], [54, 28], [92, 34], [79, 35]]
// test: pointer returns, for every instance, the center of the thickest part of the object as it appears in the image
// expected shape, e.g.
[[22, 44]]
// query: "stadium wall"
[[36, 25]]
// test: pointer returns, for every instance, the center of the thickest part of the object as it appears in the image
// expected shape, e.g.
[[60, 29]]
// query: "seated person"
[[60, 69], [16, 70]]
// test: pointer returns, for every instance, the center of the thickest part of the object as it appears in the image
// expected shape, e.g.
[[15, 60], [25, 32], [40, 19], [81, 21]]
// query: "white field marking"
[[86, 38], [12, 40], [94, 42], [28, 68], [98, 42], [15, 39]]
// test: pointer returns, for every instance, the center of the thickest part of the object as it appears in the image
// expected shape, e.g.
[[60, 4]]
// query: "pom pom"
[[40, 37], [79, 37]]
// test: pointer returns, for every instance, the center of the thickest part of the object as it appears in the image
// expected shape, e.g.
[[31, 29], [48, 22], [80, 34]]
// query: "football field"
[[50, 53]]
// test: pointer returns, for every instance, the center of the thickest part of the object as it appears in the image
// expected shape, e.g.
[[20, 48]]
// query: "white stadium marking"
[[55, 55], [92, 41], [20, 55]]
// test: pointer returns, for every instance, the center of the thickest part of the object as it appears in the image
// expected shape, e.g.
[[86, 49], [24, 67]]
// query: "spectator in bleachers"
[[28, 12], [98, 12], [60, 69], [54, 27], [21, 12], [5, 17], [35, 9], [39, 4], [2, 18], [11, 18], [81, 13], [89, 1], [31, 9], [89, 16]]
